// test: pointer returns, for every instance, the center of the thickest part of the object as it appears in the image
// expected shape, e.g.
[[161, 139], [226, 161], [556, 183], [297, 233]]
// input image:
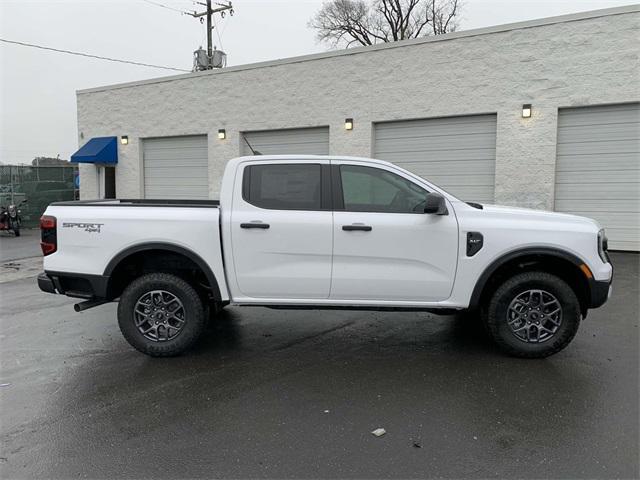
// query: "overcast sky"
[[38, 105]]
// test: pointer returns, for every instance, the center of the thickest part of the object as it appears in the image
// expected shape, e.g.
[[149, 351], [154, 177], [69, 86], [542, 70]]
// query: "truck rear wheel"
[[161, 315], [533, 315]]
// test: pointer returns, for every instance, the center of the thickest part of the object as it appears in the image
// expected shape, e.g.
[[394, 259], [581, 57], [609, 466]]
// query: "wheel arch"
[[560, 262], [160, 248]]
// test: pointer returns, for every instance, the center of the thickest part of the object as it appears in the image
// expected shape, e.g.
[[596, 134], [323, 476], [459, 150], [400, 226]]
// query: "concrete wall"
[[583, 59]]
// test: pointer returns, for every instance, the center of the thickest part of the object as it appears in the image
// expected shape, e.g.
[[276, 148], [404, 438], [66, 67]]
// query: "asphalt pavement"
[[279, 394], [15, 248]]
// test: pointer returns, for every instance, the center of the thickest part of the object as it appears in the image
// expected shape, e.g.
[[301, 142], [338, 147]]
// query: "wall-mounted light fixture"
[[348, 123], [222, 134], [526, 110], [124, 140]]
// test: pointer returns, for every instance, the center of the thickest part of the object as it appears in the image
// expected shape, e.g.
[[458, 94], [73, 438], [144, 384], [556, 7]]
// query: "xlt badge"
[[475, 240]]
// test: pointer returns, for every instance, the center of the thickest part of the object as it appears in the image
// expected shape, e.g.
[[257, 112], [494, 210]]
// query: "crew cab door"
[[385, 246], [281, 229]]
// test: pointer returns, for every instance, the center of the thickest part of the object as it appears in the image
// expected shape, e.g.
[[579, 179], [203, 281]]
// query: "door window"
[[283, 186], [367, 189]]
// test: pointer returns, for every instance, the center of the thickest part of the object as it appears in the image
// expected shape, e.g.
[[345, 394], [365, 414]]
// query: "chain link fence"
[[39, 186]]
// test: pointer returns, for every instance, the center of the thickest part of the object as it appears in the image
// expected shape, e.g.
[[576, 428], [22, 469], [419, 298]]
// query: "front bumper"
[[599, 293]]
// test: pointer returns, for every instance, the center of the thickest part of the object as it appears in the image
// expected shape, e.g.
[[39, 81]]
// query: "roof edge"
[[539, 22]]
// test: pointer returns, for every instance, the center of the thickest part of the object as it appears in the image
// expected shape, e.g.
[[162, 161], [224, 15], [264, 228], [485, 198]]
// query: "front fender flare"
[[474, 302]]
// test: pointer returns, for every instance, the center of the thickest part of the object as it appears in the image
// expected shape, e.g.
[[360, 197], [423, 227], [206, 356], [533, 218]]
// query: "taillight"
[[48, 235]]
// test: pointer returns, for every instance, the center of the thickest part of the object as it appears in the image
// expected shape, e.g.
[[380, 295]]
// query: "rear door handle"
[[263, 226], [352, 228]]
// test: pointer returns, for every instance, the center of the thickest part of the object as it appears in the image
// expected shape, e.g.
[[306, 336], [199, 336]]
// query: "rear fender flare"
[[194, 257]]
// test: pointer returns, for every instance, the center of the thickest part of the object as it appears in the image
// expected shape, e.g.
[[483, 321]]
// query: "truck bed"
[[107, 232]]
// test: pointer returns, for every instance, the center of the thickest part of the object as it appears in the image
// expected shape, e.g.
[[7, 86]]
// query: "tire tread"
[[188, 336], [492, 317]]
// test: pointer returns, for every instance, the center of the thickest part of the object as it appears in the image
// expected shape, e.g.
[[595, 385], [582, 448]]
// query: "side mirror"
[[436, 204]]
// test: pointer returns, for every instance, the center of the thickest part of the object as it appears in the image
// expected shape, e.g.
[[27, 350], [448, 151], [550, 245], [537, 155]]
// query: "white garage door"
[[302, 141], [176, 167], [456, 153], [598, 169]]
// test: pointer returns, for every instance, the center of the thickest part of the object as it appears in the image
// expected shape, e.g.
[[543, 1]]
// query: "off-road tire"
[[194, 317], [496, 315]]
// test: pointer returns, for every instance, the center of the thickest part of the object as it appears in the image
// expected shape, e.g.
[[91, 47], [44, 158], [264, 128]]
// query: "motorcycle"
[[10, 218]]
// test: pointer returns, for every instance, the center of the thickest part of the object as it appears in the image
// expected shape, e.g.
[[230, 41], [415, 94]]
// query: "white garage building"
[[451, 108]]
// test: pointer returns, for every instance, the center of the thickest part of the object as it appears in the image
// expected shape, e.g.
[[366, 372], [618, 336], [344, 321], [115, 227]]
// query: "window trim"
[[325, 186], [338, 194]]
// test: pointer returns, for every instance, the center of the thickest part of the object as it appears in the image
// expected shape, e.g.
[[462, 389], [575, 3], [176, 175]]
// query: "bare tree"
[[358, 22]]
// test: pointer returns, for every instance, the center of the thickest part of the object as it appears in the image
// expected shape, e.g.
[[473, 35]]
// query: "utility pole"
[[209, 28], [221, 8]]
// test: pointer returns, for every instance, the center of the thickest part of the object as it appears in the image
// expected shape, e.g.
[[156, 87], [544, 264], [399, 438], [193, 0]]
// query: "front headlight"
[[603, 246]]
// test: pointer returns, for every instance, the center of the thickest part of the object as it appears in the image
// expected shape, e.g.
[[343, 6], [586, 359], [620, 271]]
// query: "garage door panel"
[[184, 163], [170, 155], [599, 162], [623, 239], [627, 246], [588, 177], [462, 180], [301, 141], [609, 190], [599, 116], [434, 131], [619, 146], [479, 167], [583, 206], [162, 143], [440, 142], [598, 169], [462, 122], [586, 133], [169, 193], [177, 181], [198, 173], [176, 167], [422, 156], [482, 194], [456, 153], [619, 220]]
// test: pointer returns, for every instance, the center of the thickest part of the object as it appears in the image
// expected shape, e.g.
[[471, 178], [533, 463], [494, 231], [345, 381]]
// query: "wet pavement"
[[273, 393], [25, 246]]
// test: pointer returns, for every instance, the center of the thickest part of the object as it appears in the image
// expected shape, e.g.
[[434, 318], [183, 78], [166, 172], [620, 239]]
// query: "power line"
[[215, 27], [92, 56], [162, 5]]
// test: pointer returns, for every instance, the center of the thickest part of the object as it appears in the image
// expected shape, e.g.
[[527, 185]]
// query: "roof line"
[[571, 17]]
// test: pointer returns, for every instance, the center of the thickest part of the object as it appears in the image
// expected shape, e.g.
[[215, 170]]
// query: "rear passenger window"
[[283, 186]]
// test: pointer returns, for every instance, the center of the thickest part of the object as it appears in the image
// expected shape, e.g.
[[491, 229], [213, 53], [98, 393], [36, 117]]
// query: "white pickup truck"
[[313, 232]]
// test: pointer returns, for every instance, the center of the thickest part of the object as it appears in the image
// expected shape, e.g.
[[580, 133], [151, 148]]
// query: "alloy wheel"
[[534, 316], [159, 315]]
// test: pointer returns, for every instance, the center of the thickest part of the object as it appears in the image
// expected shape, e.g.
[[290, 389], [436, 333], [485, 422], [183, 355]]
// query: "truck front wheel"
[[161, 315], [533, 315]]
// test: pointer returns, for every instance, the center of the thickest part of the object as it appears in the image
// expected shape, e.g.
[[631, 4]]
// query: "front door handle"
[[263, 226], [352, 228]]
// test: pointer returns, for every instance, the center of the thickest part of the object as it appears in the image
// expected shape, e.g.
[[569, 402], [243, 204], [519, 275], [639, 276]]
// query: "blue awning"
[[103, 150]]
